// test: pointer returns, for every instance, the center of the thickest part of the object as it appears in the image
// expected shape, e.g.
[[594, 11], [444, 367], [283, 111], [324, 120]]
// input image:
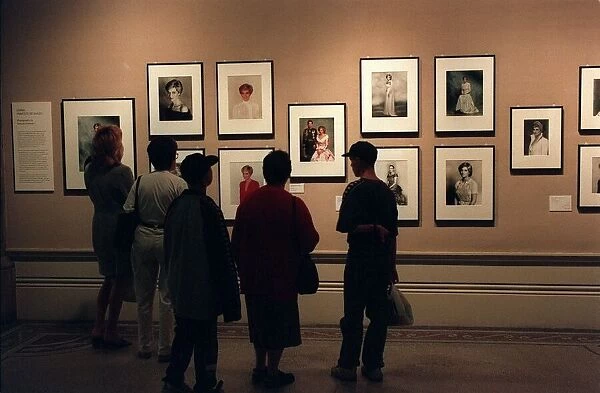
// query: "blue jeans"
[[365, 290]]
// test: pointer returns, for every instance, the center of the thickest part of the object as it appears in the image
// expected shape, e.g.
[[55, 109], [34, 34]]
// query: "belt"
[[153, 226]]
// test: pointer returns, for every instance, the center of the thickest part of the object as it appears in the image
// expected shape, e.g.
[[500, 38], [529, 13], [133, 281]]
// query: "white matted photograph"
[[398, 167], [536, 135], [240, 174], [389, 96], [588, 177], [317, 140], [245, 103], [80, 120], [464, 183], [176, 99], [465, 93], [589, 99]]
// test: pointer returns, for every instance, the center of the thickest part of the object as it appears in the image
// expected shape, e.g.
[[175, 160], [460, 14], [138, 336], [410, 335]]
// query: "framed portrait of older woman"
[[588, 177], [536, 137], [398, 167], [176, 100], [240, 174], [464, 183], [81, 118], [389, 96], [465, 94], [317, 139], [245, 100], [589, 99]]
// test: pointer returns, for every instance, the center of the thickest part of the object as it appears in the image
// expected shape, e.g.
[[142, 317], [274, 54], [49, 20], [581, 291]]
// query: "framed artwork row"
[[80, 119]]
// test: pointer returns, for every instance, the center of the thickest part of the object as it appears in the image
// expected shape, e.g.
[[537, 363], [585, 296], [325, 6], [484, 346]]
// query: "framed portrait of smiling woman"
[[176, 100]]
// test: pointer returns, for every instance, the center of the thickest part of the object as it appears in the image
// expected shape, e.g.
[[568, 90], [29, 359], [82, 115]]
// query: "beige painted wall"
[[89, 49]]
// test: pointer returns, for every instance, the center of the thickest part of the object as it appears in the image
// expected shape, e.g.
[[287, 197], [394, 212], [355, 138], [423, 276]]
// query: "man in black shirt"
[[368, 215]]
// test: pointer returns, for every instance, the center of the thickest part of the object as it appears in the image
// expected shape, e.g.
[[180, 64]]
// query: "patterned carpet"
[[42, 338]]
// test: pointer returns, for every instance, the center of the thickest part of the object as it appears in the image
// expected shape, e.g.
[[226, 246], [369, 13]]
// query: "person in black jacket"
[[202, 278]]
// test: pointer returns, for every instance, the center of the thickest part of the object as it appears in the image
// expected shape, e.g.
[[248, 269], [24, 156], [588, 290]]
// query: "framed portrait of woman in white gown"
[[465, 94], [389, 96]]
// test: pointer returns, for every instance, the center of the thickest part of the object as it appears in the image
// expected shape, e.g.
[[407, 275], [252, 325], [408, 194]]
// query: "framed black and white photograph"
[[589, 99], [536, 135], [588, 177], [176, 100], [465, 93], [317, 140], [240, 174], [181, 154], [389, 96], [81, 118], [464, 183], [245, 102], [399, 168]]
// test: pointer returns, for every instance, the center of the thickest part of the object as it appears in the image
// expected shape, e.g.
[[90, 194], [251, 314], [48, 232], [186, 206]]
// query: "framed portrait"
[[317, 140], [181, 154], [80, 120], [245, 100], [399, 168], [464, 183], [588, 177], [240, 174], [465, 93], [589, 99], [176, 100], [389, 96], [536, 135]]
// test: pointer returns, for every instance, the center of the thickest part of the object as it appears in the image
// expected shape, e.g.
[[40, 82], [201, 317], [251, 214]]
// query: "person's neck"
[[198, 188], [369, 173]]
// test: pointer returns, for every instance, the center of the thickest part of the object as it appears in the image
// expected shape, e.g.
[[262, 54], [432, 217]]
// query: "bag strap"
[[135, 201]]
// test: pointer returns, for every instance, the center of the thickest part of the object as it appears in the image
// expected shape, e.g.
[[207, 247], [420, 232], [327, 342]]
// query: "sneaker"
[[278, 380], [343, 374], [170, 388], [258, 375], [373, 375]]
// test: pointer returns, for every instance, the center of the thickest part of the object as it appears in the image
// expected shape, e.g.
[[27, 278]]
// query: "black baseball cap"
[[194, 167], [363, 150]]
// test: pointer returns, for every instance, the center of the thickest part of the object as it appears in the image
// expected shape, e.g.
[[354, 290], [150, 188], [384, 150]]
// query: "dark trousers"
[[364, 291], [199, 337]]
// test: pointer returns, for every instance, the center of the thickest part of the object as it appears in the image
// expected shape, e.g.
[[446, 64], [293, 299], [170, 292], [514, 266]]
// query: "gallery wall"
[[71, 49]]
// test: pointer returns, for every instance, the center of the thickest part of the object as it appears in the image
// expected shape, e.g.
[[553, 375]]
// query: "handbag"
[[127, 222], [400, 310], [307, 280]]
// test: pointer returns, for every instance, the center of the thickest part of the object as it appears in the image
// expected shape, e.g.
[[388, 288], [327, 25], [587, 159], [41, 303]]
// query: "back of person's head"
[[194, 168], [162, 151], [363, 150], [107, 143], [277, 167]]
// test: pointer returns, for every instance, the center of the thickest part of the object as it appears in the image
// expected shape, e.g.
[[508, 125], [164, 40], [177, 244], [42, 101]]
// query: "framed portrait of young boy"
[[465, 94], [389, 96], [245, 106], [536, 135], [176, 100], [398, 167], [464, 183], [81, 118], [317, 140], [588, 177], [589, 99], [240, 174]]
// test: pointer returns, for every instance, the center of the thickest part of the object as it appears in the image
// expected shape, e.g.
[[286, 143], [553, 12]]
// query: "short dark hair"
[[277, 167], [246, 86], [176, 83], [162, 151], [466, 165]]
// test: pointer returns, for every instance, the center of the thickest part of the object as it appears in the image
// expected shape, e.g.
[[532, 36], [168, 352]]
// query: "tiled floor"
[[52, 357]]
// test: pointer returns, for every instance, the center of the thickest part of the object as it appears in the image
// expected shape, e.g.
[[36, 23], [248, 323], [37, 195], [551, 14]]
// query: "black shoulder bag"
[[307, 279], [126, 224]]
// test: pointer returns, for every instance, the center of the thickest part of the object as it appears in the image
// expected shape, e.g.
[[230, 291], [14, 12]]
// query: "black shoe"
[[144, 354], [258, 375], [117, 344], [278, 380], [97, 342], [373, 375]]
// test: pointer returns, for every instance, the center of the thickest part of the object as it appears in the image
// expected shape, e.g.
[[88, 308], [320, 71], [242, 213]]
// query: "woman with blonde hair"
[[108, 182]]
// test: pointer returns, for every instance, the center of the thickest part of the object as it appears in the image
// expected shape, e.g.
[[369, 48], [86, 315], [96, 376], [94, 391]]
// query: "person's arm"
[[307, 234], [474, 192], [130, 201]]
